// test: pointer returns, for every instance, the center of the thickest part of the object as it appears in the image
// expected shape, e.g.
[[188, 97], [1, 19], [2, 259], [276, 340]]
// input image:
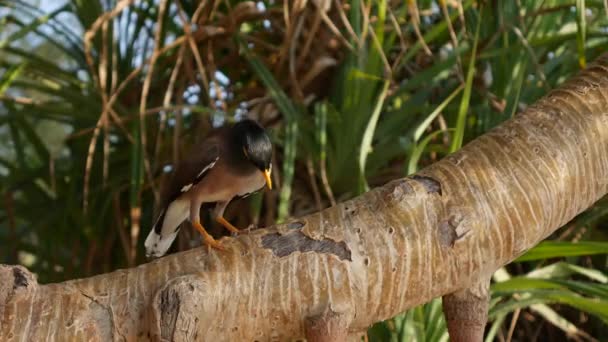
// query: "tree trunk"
[[443, 231]]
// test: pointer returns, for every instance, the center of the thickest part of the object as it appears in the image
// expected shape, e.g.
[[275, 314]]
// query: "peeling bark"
[[442, 232], [284, 245], [431, 185]]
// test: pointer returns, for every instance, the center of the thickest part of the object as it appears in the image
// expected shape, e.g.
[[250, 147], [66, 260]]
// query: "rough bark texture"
[[327, 326], [440, 232]]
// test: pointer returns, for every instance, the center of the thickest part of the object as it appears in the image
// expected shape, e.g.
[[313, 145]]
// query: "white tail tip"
[[157, 245]]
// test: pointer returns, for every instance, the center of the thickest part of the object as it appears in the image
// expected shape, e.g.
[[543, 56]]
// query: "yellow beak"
[[268, 179]]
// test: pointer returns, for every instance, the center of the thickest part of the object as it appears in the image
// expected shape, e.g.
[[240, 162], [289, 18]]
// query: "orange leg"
[[221, 220], [209, 240]]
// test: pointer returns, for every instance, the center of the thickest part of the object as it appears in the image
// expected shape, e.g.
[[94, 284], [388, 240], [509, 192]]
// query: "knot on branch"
[[396, 191], [16, 283], [431, 185], [452, 230], [15, 280], [176, 308]]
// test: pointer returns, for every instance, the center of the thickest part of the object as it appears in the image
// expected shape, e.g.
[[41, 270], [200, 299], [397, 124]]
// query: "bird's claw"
[[209, 240], [250, 228], [214, 244]]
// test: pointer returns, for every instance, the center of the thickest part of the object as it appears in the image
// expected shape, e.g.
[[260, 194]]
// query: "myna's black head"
[[255, 145]]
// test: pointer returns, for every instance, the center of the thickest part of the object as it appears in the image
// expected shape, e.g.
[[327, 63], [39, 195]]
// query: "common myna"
[[234, 162]]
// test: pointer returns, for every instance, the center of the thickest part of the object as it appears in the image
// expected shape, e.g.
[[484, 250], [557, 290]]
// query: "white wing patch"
[[209, 166], [189, 186]]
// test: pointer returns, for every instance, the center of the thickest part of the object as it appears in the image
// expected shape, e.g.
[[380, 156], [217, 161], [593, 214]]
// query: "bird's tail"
[[158, 242], [157, 245]]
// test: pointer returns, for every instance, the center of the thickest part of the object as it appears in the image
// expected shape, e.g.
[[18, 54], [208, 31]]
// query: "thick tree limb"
[[441, 232]]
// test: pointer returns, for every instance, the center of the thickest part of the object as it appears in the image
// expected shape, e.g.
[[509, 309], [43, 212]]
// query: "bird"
[[234, 162]]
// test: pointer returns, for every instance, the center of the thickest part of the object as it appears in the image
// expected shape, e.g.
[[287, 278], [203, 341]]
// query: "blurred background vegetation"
[[99, 98]]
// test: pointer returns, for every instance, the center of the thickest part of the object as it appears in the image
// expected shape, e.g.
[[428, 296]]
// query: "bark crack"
[[19, 278], [108, 310], [169, 309]]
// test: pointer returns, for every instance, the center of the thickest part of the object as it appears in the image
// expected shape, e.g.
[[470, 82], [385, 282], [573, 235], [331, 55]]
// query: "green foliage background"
[[99, 98]]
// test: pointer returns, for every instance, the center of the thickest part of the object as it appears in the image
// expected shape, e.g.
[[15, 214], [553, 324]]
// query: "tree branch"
[[466, 312], [442, 232]]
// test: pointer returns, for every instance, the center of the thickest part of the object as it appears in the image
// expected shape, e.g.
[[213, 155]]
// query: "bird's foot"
[[214, 244], [209, 240], [234, 230], [250, 228]]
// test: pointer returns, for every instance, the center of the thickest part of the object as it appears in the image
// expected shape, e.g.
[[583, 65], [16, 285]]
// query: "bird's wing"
[[192, 169]]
